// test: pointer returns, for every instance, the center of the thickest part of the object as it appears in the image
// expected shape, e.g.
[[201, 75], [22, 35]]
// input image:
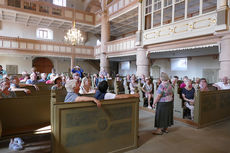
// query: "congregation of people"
[[78, 84]]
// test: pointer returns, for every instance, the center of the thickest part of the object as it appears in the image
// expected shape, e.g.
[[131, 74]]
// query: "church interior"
[[114, 76]]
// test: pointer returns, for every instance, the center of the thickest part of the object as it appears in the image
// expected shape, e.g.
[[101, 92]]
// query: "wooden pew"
[[211, 107], [81, 127], [26, 114], [178, 107]]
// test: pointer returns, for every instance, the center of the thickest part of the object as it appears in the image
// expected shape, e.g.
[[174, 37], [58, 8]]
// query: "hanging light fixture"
[[74, 36]]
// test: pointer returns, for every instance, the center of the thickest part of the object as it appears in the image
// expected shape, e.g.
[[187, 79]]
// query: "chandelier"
[[74, 36]]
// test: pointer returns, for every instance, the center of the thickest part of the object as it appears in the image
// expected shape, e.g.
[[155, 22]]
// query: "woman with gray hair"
[[164, 108]]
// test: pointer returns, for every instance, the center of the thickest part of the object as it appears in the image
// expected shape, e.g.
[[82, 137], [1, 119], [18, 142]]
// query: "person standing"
[[164, 106], [79, 70]]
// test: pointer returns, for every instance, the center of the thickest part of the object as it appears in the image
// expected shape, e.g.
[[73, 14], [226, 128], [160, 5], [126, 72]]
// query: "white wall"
[[24, 63], [132, 70], [60, 64], [10, 29], [92, 40], [194, 68]]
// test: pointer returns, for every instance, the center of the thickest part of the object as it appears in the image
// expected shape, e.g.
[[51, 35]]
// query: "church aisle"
[[182, 138]]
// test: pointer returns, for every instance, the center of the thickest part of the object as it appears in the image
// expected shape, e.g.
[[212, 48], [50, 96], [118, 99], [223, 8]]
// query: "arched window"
[[60, 2], [44, 33]]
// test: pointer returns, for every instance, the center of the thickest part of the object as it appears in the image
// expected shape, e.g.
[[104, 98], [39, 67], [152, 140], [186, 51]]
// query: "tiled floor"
[[180, 139]]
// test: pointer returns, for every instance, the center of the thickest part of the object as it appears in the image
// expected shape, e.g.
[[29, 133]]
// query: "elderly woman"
[[72, 88], [86, 86], [57, 83], [4, 88], [188, 93], [43, 78], [15, 86], [148, 90], [164, 108], [133, 86]]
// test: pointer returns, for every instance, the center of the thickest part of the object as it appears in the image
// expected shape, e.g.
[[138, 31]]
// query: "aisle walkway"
[[180, 139]]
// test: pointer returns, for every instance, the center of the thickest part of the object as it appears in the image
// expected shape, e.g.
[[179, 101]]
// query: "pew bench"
[[83, 128]]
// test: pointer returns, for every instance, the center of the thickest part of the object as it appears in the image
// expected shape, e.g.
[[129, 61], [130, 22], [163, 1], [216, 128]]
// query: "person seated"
[[95, 79], [108, 77], [148, 90], [182, 85], [33, 81], [26, 77], [24, 73], [86, 86], [101, 93], [53, 73], [127, 80], [102, 72], [76, 76], [72, 88], [188, 93], [2, 72], [133, 85], [174, 81], [197, 83], [4, 87], [79, 70], [203, 86], [57, 83], [143, 79], [43, 78], [222, 85], [117, 78], [15, 86], [101, 78]]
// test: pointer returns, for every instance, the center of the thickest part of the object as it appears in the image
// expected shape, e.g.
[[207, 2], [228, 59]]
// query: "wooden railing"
[[44, 47], [97, 50], [120, 5], [44, 8], [120, 45]]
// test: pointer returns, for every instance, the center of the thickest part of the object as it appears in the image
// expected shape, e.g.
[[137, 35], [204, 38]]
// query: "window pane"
[[147, 21], [167, 18], [179, 11], [157, 18], [193, 8], [209, 5]]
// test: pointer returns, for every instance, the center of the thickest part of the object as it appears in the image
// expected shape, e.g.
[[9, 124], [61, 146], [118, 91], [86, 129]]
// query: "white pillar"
[[105, 36], [72, 62], [142, 61], [224, 56], [140, 24]]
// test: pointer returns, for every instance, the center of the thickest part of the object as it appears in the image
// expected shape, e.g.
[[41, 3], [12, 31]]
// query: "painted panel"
[[43, 47], [30, 46], [126, 2], [89, 18], [81, 127], [62, 49], [120, 4], [78, 50], [1, 43], [56, 48], [115, 7], [110, 10], [197, 26], [68, 49], [37, 46], [79, 16], [14, 44], [68, 14], [50, 48], [22, 45], [6, 44]]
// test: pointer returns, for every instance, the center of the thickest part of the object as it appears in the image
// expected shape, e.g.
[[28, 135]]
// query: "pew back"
[[211, 107], [83, 128]]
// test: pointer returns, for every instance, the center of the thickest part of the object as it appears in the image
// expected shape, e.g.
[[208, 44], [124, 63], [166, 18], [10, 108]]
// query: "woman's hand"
[[98, 103]]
